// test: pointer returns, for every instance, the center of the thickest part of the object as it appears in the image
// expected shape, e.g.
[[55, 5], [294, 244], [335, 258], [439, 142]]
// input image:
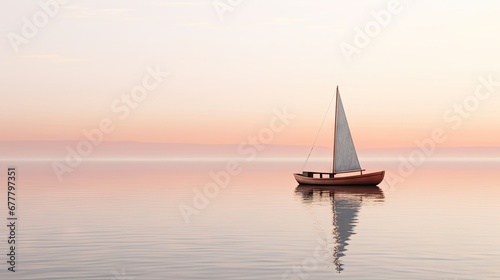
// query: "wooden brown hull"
[[367, 179]]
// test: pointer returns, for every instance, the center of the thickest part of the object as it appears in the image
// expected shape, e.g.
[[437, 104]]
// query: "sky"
[[218, 71]]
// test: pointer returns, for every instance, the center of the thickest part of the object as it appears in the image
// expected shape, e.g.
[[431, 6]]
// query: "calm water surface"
[[149, 220]]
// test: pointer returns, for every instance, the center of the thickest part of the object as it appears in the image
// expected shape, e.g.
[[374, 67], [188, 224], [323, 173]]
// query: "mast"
[[335, 130]]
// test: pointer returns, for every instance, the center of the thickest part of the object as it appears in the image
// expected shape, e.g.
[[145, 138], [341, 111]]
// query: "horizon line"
[[270, 159]]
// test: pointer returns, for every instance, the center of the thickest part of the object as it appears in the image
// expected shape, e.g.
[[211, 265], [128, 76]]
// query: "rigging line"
[[321, 126]]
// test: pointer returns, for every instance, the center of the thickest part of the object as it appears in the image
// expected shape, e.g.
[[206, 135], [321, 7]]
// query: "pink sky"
[[227, 77]]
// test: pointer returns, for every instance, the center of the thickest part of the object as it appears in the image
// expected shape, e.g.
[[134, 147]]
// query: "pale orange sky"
[[227, 77]]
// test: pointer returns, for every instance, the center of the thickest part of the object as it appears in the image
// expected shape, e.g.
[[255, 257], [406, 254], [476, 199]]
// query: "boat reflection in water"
[[346, 202]]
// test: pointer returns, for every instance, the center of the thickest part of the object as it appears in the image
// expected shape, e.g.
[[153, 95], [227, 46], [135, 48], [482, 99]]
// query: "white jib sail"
[[346, 158]]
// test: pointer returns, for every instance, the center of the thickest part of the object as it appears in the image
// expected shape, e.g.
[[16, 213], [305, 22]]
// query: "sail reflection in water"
[[345, 203]]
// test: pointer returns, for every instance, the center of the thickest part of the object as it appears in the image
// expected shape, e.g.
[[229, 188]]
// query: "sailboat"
[[345, 159]]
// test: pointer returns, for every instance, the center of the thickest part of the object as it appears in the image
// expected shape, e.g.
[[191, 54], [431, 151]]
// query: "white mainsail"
[[345, 157]]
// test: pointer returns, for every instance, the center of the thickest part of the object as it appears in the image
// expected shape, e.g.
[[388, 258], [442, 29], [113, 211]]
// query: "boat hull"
[[367, 179]]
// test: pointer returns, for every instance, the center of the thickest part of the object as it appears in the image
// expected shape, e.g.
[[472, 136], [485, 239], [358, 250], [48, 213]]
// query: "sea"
[[228, 219]]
